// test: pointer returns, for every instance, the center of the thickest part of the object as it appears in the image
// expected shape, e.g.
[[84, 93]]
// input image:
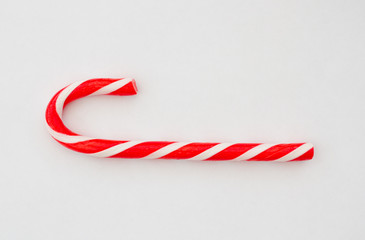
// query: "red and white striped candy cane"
[[156, 149]]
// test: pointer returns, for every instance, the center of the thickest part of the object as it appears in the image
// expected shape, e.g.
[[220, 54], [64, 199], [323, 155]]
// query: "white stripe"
[[295, 153], [211, 152], [112, 87], [166, 150], [116, 149], [64, 95], [67, 138], [253, 152]]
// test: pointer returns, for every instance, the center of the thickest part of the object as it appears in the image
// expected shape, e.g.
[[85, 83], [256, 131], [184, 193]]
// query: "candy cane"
[[155, 149]]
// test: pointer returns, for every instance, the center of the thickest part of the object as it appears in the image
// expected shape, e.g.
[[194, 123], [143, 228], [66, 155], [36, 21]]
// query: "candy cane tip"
[[307, 154], [310, 153], [128, 87], [134, 85]]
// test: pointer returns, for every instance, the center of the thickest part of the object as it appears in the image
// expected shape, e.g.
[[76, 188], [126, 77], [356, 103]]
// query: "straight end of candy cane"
[[300, 153], [308, 155]]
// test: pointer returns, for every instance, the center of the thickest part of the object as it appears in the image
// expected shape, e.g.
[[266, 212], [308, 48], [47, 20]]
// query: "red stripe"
[[189, 151], [141, 150], [53, 120], [87, 88], [91, 146], [276, 152], [233, 151]]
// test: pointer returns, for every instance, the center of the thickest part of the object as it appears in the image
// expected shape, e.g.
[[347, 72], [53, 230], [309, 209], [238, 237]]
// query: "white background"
[[232, 70]]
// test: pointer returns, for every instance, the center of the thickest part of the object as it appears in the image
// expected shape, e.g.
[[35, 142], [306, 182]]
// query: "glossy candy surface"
[[156, 149]]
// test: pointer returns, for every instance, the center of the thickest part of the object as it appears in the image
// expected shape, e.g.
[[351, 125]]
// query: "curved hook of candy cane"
[[155, 149]]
